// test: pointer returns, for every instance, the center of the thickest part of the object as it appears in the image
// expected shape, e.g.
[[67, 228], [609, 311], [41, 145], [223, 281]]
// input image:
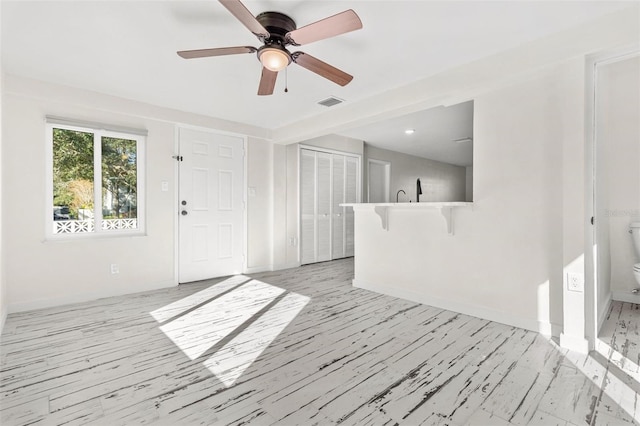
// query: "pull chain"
[[286, 74]]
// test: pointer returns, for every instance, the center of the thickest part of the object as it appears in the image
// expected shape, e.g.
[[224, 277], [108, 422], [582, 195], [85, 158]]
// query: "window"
[[95, 180]]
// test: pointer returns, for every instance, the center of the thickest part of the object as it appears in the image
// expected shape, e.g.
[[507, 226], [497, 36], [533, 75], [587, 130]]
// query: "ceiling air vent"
[[330, 101]]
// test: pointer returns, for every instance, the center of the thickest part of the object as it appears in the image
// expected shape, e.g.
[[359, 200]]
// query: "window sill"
[[58, 238]]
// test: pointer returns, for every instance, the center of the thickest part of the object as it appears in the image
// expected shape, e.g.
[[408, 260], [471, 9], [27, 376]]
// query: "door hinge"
[[593, 219], [177, 157]]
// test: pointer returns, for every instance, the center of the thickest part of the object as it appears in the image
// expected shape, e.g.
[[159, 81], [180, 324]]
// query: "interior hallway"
[[302, 346]]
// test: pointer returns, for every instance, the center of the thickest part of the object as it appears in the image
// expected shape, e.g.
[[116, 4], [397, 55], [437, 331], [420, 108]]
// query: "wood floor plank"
[[346, 356]]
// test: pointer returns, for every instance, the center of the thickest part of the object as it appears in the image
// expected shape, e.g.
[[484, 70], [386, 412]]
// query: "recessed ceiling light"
[[410, 131]]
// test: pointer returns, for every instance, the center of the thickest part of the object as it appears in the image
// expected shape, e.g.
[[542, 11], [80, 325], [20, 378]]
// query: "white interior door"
[[323, 204], [211, 206], [338, 238], [378, 181]]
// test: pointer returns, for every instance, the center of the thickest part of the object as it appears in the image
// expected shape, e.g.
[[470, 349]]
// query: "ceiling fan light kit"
[[274, 59], [276, 31]]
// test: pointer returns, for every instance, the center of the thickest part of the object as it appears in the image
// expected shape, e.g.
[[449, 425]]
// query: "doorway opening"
[[379, 181], [612, 309]]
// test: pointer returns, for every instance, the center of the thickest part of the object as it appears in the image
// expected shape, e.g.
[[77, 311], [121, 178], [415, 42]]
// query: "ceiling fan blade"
[[220, 51], [247, 19], [341, 23], [267, 82], [322, 68]]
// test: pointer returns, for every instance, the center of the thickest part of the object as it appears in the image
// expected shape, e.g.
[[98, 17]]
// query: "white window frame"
[[98, 131]]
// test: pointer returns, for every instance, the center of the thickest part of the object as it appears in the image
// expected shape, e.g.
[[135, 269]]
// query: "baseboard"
[[282, 266], [85, 297], [625, 296], [270, 268], [576, 344], [258, 269], [602, 315], [3, 317], [545, 328]]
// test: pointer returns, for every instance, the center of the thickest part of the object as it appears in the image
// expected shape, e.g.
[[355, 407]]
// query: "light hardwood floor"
[[303, 346]]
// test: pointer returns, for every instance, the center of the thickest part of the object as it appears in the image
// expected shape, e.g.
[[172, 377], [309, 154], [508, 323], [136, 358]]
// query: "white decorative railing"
[[84, 226], [119, 224]]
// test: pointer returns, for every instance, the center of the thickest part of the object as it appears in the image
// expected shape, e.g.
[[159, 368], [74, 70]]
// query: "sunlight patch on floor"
[[625, 363], [615, 389], [199, 330], [179, 306], [198, 322], [235, 357]]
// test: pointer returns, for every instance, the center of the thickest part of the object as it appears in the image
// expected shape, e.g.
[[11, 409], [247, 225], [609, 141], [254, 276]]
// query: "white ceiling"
[[128, 48], [437, 134]]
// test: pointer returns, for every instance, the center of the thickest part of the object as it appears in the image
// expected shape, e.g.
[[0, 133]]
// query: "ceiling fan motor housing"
[[278, 24]]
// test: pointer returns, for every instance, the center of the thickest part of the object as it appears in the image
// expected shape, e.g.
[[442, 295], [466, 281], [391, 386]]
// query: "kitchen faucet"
[[398, 193]]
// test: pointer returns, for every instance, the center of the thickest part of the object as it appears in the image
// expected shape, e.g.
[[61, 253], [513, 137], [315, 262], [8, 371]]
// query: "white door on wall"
[[378, 182], [323, 209], [338, 228], [211, 205], [326, 181]]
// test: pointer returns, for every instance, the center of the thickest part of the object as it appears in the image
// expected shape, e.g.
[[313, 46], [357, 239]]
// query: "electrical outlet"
[[575, 282], [115, 269]]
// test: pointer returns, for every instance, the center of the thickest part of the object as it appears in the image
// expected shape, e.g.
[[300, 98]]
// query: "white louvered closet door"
[[323, 202], [326, 181], [337, 227]]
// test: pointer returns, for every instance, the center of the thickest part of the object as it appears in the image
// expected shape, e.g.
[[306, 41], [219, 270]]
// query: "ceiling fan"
[[277, 31]]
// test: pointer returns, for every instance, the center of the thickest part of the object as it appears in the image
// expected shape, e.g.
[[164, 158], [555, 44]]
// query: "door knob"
[[184, 213]]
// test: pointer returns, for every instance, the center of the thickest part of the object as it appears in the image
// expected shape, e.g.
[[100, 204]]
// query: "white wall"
[[260, 180], [566, 124], [280, 206], [43, 273], [338, 143], [618, 142], [505, 261], [439, 181]]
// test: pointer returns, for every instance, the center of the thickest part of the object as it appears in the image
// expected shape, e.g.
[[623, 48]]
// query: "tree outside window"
[[96, 180]]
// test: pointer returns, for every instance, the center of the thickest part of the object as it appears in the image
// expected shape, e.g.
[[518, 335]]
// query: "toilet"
[[635, 234]]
